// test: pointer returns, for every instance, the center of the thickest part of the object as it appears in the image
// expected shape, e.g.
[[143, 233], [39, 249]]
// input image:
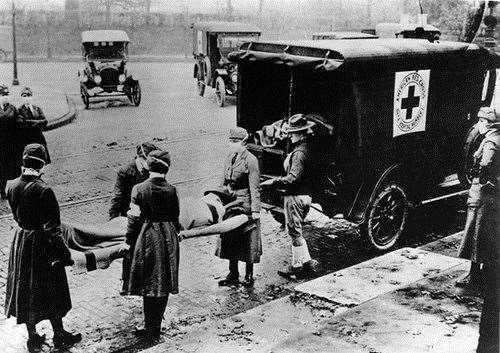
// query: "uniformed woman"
[[32, 121], [11, 145], [241, 180], [37, 288], [481, 226], [152, 235]]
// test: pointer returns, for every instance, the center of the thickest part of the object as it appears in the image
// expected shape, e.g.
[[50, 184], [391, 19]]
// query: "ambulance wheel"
[[472, 142], [387, 217], [200, 81], [136, 94], [220, 91]]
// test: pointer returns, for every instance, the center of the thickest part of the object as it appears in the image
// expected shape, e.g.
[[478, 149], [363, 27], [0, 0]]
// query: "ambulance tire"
[[387, 217], [472, 142]]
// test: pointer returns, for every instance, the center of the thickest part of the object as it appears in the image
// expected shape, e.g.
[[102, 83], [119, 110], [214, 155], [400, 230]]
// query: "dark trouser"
[[154, 308], [3, 185], [234, 272], [488, 328], [126, 263]]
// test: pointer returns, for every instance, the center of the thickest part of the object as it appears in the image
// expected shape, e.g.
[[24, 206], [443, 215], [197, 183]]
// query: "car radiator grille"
[[109, 77]]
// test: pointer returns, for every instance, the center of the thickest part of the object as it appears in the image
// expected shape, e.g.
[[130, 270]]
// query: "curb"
[[64, 119]]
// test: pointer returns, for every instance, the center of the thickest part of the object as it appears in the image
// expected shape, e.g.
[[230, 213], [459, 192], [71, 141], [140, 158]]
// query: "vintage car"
[[212, 42], [105, 76], [342, 35], [391, 119]]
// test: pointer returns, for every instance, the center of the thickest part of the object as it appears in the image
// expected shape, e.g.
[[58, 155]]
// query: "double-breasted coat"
[[242, 180], [36, 290], [153, 237], [32, 122], [482, 226], [11, 146]]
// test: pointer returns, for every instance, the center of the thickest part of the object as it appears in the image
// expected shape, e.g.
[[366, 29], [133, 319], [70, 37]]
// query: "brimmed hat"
[[145, 148], [35, 152], [4, 90], [238, 134], [158, 161], [26, 92], [298, 122], [489, 114], [223, 194]]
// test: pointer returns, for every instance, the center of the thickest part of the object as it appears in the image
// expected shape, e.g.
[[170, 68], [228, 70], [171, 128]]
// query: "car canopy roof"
[[363, 55], [226, 27], [345, 35], [104, 36]]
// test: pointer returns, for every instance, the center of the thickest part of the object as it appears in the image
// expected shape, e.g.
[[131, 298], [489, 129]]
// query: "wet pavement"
[[86, 154]]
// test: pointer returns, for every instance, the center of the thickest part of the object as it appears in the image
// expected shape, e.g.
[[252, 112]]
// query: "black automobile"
[[212, 42], [105, 76], [393, 121]]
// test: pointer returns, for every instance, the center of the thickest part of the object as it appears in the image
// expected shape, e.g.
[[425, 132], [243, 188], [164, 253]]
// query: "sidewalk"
[[404, 301]]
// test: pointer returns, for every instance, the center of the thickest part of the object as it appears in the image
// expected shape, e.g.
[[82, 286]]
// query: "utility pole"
[[15, 81]]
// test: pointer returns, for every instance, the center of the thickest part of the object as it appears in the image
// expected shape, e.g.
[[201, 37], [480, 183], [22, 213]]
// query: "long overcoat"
[[11, 146], [153, 237], [32, 122], [482, 226], [36, 290], [242, 180]]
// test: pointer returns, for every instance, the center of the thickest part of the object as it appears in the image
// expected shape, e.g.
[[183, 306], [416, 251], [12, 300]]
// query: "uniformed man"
[[297, 184]]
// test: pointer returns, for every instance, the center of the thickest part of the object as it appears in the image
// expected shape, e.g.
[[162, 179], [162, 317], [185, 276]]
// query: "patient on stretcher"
[[96, 246]]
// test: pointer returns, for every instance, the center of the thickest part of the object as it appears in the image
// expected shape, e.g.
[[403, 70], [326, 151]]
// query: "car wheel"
[[387, 217], [207, 70], [136, 94], [471, 145], [85, 98], [220, 91], [3, 56], [200, 83]]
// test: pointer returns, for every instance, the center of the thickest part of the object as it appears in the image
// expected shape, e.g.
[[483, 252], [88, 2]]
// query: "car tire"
[[472, 143], [220, 91], [387, 217], [3, 56], [207, 70], [136, 94], [85, 98], [200, 82]]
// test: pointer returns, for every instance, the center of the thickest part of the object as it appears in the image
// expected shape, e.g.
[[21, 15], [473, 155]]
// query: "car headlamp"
[[121, 78], [234, 77], [97, 79]]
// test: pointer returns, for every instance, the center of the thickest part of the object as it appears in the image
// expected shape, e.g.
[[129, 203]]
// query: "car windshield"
[[228, 44], [100, 52]]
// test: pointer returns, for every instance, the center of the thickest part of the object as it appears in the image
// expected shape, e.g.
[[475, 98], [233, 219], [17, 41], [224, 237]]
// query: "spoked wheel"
[[135, 96], [387, 217], [220, 91], [85, 98], [201, 84]]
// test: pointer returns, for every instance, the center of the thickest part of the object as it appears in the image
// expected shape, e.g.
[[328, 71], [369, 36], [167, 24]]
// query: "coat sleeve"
[[42, 120], [295, 171], [135, 218], [254, 183], [487, 173], [118, 200], [52, 226]]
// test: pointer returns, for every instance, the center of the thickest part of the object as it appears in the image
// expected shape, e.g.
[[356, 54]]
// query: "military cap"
[[35, 152], [158, 161], [145, 148], [298, 122], [489, 114], [238, 134], [4, 90], [26, 92]]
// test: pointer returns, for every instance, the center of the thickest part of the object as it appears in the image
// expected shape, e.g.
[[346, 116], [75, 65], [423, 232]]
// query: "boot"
[[473, 278], [66, 338], [249, 280], [233, 278], [35, 341], [292, 271]]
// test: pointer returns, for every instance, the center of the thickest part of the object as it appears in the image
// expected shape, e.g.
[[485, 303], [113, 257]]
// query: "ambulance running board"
[[443, 197]]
